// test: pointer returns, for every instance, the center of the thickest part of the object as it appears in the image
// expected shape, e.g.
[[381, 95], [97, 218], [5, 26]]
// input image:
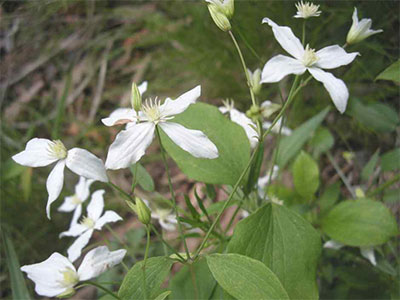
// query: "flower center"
[[76, 200], [229, 104], [70, 278], [309, 56], [151, 109], [57, 149], [307, 9], [88, 222]]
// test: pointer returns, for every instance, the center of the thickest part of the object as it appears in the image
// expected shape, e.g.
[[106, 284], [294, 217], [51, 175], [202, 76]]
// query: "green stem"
[[134, 182], [248, 45], [117, 237], [119, 190], [172, 193], [384, 185], [233, 217], [166, 243], [88, 282], [303, 38], [253, 98], [341, 175], [146, 254]]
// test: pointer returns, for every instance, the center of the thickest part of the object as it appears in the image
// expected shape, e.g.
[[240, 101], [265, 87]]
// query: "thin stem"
[[384, 185], [303, 38], [166, 243], [248, 45], [117, 237], [253, 98], [203, 243], [341, 175], [119, 190], [134, 182], [88, 282], [146, 254], [172, 193], [233, 217]]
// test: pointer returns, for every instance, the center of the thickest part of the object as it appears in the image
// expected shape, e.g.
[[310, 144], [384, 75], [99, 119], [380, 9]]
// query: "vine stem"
[[166, 243], [146, 254], [384, 185], [253, 98], [119, 190], [89, 282], [172, 193], [341, 175], [303, 38]]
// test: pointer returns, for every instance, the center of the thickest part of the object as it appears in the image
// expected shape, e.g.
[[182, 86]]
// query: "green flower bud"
[[67, 294], [141, 209], [255, 78], [136, 98], [219, 17]]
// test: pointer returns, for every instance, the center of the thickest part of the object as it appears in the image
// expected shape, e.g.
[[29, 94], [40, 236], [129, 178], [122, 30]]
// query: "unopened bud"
[[255, 79], [141, 209], [219, 17], [254, 113], [136, 98], [359, 193]]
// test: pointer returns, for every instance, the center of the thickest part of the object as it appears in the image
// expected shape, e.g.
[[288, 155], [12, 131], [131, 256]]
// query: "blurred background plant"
[[66, 64]]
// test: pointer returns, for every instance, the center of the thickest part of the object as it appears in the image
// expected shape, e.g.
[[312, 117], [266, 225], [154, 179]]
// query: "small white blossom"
[[308, 60], [226, 7], [360, 30], [366, 252], [94, 220], [165, 216], [307, 10], [130, 144], [43, 152], [57, 276], [74, 202], [264, 181]]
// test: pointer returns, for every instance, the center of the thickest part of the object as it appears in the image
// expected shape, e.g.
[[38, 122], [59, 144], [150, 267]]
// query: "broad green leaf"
[[143, 178], [193, 281], [230, 139], [157, 269], [245, 278], [305, 175], [391, 73], [162, 296], [370, 166], [285, 243], [390, 161], [291, 145], [322, 141], [18, 286], [377, 116], [360, 223]]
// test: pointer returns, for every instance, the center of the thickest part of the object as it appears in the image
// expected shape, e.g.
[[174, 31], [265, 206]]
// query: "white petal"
[[75, 250], [77, 214], [193, 141], [108, 217], [333, 245], [285, 130], [142, 87], [355, 17], [48, 276], [54, 184], [174, 107], [334, 56], [223, 109], [120, 116], [279, 66], [167, 225], [82, 189], [335, 87], [36, 154], [286, 39], [86, 164], [247, 124], [368, 253], [68, 204], [75, 229], [130, 145], [96, 205], [98, 261]]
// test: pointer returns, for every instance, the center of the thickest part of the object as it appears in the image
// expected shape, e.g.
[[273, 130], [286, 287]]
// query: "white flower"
[[307, 59], [93, 221], [366, 252], [57, 276], [241, 119], [43, 152], [74, 202], [165, 216], [130, 144], [266, 106], [118, 115], [307, 10], [263, 181], [360, 30], [226, 7]]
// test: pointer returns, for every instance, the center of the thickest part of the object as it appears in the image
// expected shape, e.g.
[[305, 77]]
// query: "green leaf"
[[391, 73], [370, 166], [285, 243], [377, 116], [360, 223], [390, 161], [291, 145], [194, 283], [255, 169], [143, 178], [157, 269], [322, 141], [11, 169], [18, 286], [305, 175], [226, 135], [329, 197], [162, 296], [245, 278]]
